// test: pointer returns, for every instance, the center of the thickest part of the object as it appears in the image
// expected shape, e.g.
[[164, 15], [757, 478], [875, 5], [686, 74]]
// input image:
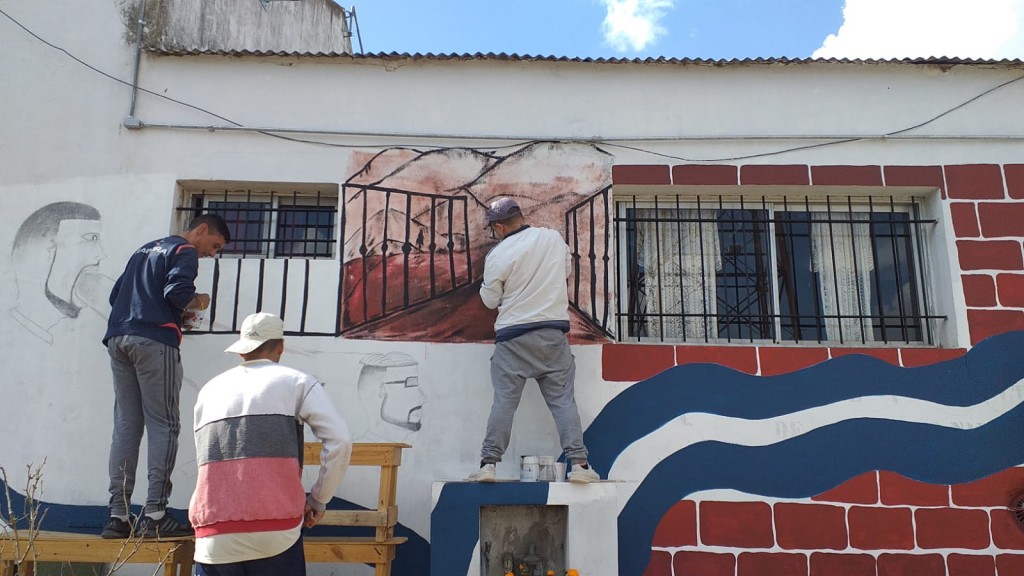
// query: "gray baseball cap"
[[502, 209]]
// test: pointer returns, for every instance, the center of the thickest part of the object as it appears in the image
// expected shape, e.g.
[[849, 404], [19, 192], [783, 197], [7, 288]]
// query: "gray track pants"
[[544, 355], [147, 385]]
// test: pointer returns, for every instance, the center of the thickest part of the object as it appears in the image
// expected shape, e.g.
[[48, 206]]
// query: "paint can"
[[529, 469], [559, 471], [546, 471]]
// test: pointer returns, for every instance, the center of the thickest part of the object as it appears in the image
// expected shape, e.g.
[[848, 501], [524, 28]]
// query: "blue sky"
[[716, 29]]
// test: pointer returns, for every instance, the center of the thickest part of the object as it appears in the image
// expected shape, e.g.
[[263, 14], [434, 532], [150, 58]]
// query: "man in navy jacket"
[[143, 335]]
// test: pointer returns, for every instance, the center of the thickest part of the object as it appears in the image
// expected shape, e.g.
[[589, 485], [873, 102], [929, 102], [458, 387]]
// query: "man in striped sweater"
[[249, 506]]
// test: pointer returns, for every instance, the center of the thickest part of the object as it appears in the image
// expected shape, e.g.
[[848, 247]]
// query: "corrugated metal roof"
[[490, 56]]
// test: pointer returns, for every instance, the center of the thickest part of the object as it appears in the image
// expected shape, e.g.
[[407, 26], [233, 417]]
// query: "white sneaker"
[[581, 475], [484, 474]]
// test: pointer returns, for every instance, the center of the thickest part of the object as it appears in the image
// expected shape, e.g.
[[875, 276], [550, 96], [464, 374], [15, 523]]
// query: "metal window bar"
[[381, 225], [752, 305], [268, 224], [250, 211]]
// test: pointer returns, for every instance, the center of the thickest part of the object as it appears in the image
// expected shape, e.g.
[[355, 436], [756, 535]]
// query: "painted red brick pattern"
[[995, 490], [951, 528], [990, 255], [846, 175], [911, 565], [890, 355], [827, 564], [861, 489], [986, 323], [965, 565], [979, 290], [1010, 288], [660, 564], [782, 360], [965, 219], [1014, 180], [1007, 532], [641, 174], [881, 528], [1000, 219], [915, 176], [975, 182], [810, 526], [1010, 564], [738, 524], [914, 357], [897, 490], [678, 527], [704, 564], [742, 358], [765, 563], [795, 174], [705, 174], [634, 362]]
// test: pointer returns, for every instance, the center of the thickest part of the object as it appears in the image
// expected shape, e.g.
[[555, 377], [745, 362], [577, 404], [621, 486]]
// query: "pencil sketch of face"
[[389, 387], [52, 249]]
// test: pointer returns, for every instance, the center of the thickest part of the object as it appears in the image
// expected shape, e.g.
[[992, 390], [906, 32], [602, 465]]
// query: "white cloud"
[[633, 24], [990, 29]]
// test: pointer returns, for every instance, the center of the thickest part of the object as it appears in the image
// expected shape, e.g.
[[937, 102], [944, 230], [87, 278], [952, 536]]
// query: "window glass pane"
[[305, 231], [897, 303], [743, 284], [799, 296], [247, 223], [847, 277]]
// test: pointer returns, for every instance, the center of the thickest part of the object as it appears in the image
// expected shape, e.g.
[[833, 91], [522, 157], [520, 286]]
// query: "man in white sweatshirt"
[[525, 279], [249, 506]]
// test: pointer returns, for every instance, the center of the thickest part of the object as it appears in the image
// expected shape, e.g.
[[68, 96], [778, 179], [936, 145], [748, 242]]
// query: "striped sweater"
[[248, 433]]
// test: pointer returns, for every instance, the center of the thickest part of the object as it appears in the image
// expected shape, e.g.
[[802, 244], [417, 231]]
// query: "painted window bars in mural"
[[399, 249], [715, 269]]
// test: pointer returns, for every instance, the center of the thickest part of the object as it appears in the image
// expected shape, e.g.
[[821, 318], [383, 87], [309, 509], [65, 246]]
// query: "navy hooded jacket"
[[156, 286]]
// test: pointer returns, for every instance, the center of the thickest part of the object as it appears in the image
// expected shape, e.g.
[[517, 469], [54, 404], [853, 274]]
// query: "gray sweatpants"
[[147, 385], [545, 356]]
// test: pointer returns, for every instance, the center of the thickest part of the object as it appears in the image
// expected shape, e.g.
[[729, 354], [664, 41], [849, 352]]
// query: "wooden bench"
[[176, 553], [378, 549]]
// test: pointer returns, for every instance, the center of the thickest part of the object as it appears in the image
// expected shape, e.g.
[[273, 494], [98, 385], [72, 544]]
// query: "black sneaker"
[[166, 527], [116, 529]]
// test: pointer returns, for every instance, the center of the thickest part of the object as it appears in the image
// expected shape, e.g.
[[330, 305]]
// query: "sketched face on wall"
[[389, 388], [76, 249], [53, 247]]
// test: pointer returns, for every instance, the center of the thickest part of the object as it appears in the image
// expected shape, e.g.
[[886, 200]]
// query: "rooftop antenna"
[[353, 23]]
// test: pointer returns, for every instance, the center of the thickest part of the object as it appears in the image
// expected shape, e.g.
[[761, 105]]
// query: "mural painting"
[[414, 239], [55, 256], [789, 436], [411, 366]]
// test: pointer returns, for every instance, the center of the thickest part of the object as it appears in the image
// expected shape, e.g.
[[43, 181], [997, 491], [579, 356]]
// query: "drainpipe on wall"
[[131, 122]]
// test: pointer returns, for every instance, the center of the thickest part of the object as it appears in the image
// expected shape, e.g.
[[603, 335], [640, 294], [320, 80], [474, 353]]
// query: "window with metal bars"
[[823, 269], [269, 224]]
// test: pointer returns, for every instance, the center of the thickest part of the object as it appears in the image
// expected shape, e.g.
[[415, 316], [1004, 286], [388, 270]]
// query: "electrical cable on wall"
[[520, 141]]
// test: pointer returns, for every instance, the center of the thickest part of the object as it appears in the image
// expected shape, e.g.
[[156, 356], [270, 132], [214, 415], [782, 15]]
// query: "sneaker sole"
[[112, 536]]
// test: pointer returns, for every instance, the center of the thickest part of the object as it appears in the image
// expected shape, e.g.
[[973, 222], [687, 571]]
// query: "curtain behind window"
[[678, 262], [841, 256]]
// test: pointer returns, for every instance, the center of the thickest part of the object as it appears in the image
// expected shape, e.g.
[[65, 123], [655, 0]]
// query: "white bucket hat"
[[257, 329]]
